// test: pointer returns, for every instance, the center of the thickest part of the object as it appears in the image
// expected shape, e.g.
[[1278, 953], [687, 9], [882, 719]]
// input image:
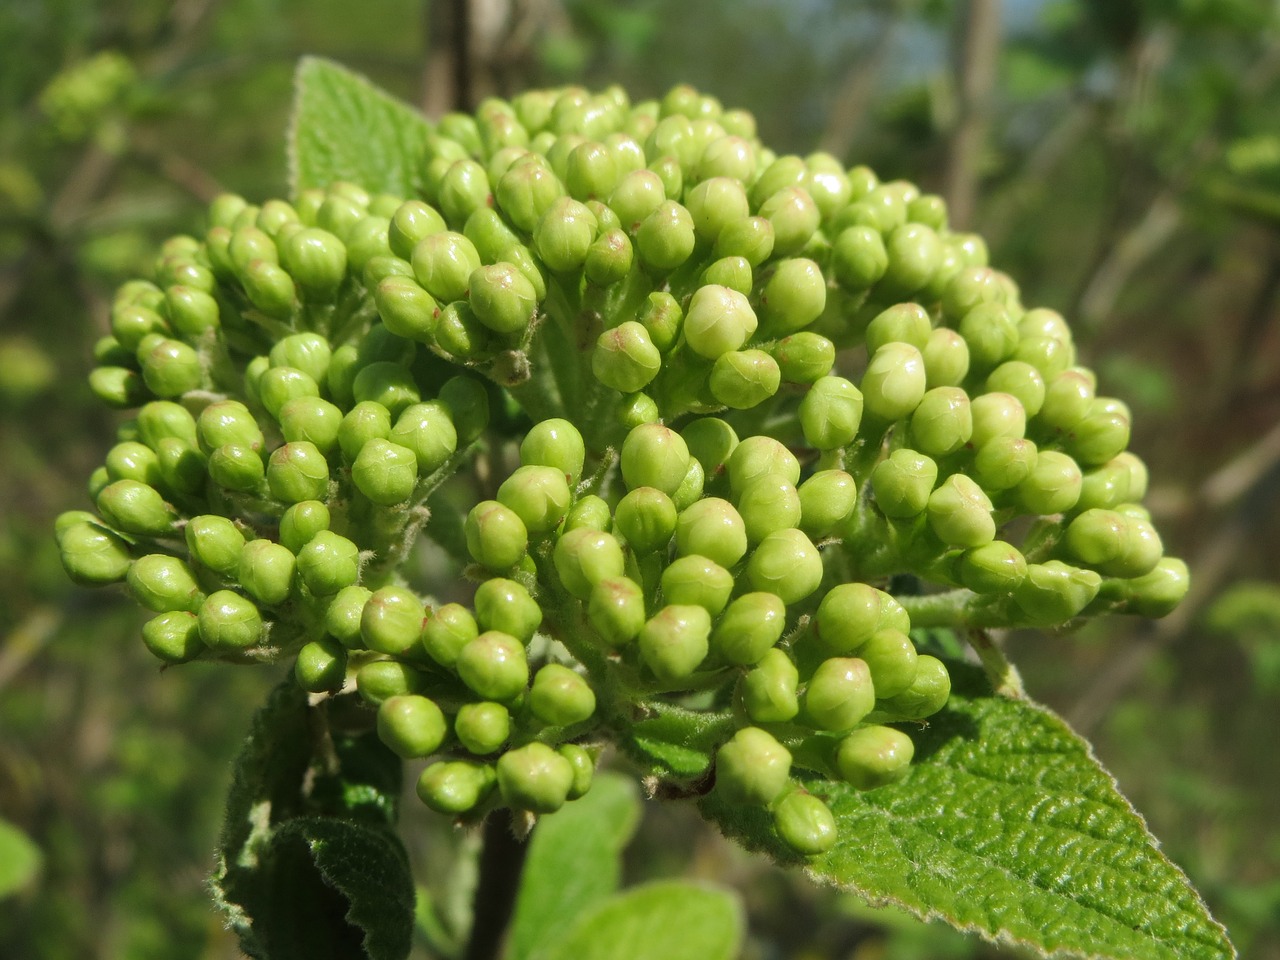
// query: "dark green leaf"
[[672, 920], [676, 741], [1008, 827], [345, 128], [308, 865], [574, 862]]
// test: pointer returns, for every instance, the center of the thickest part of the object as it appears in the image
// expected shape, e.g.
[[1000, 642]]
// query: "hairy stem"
[[501, 867]]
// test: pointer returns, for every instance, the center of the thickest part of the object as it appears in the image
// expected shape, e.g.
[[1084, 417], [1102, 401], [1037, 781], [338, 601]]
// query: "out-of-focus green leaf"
[[19, 859]]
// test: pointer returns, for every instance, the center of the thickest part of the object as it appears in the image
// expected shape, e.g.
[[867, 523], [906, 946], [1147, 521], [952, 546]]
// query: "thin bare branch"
[[979, 22]]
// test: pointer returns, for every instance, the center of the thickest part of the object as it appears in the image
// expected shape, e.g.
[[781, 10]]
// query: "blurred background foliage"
[[1121, 156]]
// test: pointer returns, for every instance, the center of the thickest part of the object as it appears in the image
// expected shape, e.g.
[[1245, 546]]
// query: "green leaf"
[[19, 859], [308, 865], [345, 128], [676, 741], [671, 920], [574, 862], [1007, 827]]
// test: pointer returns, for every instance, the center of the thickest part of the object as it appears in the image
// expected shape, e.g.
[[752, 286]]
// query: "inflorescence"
[[706, 409]]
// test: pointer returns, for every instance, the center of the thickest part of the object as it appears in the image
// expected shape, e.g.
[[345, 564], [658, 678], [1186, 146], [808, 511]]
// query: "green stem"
[[501, 867], [1004, 676]]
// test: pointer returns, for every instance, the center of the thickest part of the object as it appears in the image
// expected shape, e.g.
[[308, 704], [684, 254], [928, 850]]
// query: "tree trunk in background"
[[978, 27], [446, 75]]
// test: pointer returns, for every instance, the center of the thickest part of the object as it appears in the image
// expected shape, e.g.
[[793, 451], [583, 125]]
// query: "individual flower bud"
[[270, 289], [555, 443], [794, 297], [750, 238], [960, 513], [117, 386], [297, 472], [943, 422], [493, 666], [713, 204], [321, 666], [1101, 435], [1053, 592], [731, 272], [190, 311], [406, 309], [456, 786], [804, 357], [625, 358], [584, 557], [539, 496], [266, 571], [380, 268], [1114, 545], [170, 368], [1052, 486], [827, 183], [559, 697], [1049, 355], [992, 568], [366, 421], [130, 324], [894, 382], [786, 563], [719, 320], [874, 756], [946, 358], [228, 421], [308, 352], [839, 694], [1121, 479], [236, 467], [674, 641], [427, 430], [411, 725], [827, 502], [317, 261], [489, 233], [830, 413], [342, 616], [160, 419], [750, 627], [137, 508], [464, 188], [181, 468], [328, 563], [794, 217], [174, 637], [744, 379], [535, 778], [969, 288], [729, 156], [385, 472], [849, 615], [710, 527], [711, 441], [1157, 593], [132, 460], [665, 239], [646, 518], [526, 191], [609, 257], [654, 456], [446, 630], [990, 333], [496, 536], [302, 522], [903, 323], [637, 195], [697, 581], [482, 727], [663, 319], [163, 584], [564, 235], [768, 503], [996, 416], [891, 658], [927, 694], [279, 385], [752, 768], [859, 258], [229, 622], [506, 606], [768, 691], [388, 383], [443, 263], [312, 420], [915, 254], [690, 489], [1067, 401], [804, 823], [215, 542], [412, 222], [502, 299], [1004, 462], [757, 456], [1022, 381], [590, 512], [903, 482], [380, 680]]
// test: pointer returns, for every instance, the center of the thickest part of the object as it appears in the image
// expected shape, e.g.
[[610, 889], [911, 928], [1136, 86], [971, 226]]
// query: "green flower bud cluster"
[[680, 409]]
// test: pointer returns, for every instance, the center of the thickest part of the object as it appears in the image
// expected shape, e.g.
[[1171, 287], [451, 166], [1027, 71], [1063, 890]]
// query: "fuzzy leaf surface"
[[1008, 827], [346, 128]]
